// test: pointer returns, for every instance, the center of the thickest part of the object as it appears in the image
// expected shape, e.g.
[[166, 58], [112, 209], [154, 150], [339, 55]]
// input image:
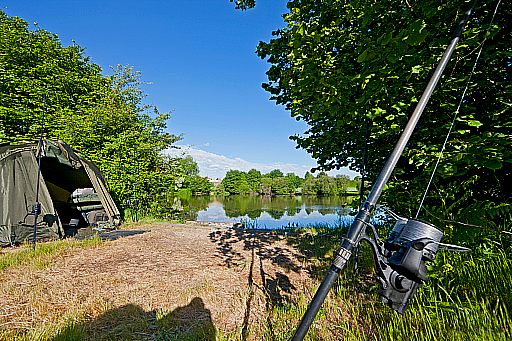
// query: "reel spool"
[[401, 269], [413, 242]]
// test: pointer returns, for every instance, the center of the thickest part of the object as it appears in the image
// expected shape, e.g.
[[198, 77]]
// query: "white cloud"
[[216, 166]]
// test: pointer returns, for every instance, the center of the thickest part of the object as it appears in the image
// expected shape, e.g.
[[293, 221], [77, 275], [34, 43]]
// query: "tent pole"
[[37, 206]]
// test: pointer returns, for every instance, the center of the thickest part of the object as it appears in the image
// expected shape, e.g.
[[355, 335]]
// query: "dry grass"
[[207, 282], [163, 282]]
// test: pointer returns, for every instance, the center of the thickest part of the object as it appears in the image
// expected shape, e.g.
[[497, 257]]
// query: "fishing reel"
[[400, 260]]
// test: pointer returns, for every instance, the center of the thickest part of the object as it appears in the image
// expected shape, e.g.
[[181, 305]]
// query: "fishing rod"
[[400, 259]]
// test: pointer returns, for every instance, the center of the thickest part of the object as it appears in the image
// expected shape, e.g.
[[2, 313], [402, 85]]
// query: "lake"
[[270, 212]]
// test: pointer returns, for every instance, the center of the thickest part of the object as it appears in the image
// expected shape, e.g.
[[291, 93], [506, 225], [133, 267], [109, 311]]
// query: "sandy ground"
[[209, 272]]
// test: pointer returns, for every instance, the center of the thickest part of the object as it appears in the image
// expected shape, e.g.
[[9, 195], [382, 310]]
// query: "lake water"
[[271, 212]]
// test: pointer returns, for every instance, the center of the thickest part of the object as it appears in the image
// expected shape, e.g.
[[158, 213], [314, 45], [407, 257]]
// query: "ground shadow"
[[265, 246], [306, 252], [274, 256], [113, 235], [262, 241], [131, 322], [89, 232]]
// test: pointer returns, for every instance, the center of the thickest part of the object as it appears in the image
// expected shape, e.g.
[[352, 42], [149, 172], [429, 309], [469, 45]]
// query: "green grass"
[[44, 252], [469, 297]]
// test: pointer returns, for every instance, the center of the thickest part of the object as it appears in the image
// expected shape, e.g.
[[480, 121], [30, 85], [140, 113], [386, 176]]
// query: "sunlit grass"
[[44, 252], [469, 297]]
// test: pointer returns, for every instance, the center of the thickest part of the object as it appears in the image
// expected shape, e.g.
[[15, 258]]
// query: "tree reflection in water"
[[270, 212]]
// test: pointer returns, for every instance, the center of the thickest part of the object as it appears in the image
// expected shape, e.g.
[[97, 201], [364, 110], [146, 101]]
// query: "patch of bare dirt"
[[224, 276]]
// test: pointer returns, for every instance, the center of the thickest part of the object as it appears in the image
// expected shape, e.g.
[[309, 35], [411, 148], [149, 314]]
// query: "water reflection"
[[270, 212]]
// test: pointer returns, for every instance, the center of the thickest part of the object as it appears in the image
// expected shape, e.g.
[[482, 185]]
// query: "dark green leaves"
[[244, 4], [337, 63], [103, 117]]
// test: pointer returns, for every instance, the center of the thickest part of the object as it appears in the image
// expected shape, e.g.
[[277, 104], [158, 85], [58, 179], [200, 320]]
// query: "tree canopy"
[[46, 87], [244, 4], [276, 183], [339, 64]]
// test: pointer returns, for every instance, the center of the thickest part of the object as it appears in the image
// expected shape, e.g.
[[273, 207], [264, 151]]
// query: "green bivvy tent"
[[63, 174]]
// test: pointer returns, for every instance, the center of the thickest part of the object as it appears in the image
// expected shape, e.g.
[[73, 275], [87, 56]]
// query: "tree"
[[230, 181], [292, 182], [280, 186], [276, 173], [199, 185], [338, 64], [102, 117], [244, 4], [235, 182], [254, 180], [266, 185], [309, 186], [325, 185], [343, 182], [189, 166]]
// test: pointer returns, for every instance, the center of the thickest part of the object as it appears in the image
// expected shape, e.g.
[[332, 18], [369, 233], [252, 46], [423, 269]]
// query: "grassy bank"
[[468, 297], [44, 253]]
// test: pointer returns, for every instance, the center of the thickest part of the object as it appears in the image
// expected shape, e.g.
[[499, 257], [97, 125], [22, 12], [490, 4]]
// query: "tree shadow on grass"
[[263, 241], [303, 248], [131, 322]]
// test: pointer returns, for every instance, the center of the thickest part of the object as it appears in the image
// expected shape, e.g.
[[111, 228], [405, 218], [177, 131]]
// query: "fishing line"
[[402, 270], [365, 162], [456, 114], [363, 179]]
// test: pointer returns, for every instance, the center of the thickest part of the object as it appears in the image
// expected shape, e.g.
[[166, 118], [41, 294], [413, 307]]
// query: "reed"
[[468, 297]]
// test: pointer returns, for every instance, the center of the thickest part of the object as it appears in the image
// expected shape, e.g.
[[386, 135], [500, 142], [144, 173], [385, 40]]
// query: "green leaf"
[[416, 69], [493, 164], [363, 56], [474, 123]]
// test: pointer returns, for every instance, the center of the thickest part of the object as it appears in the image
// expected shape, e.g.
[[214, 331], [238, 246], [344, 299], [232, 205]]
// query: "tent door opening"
[[73, 196]]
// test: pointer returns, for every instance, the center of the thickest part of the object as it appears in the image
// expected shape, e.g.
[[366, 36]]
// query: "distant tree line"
[[277, 183]]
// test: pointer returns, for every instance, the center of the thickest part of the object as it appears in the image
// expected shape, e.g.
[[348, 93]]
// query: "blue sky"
[[199, 56]]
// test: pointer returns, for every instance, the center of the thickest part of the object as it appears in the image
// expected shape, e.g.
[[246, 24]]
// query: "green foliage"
[[276, 183], [336, 64], [254, 179], [244, 4], [188, 166], [280, 186], [199, 185], [293, 182], [276, 173], [235, 182], [467, 298], [104, 118]]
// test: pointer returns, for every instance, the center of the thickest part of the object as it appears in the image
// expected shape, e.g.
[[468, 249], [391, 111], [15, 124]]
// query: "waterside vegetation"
[[469, 295], [57, 91], [277, 183]]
